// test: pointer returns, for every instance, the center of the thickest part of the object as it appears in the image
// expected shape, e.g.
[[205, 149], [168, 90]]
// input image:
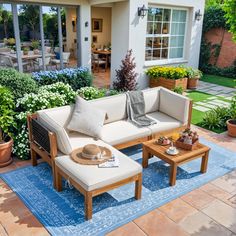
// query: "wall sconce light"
[[198, 15], [86, 24], [73, 21], [142, 11]]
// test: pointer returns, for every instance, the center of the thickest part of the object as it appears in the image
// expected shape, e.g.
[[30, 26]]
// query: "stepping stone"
[[200, 108], [225, 104], [210, 105]]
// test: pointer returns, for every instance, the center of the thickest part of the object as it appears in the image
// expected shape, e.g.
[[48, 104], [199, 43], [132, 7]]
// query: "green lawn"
[[197, 116], [219, 80]]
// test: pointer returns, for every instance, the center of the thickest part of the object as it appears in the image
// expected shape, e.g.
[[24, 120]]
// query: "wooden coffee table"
[[151, 149]]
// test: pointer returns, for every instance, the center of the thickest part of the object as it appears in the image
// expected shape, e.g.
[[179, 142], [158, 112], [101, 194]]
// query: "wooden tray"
[[185, 146]]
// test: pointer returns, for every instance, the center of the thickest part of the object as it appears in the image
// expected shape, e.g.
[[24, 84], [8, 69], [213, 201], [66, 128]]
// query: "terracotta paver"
[[156, 223], [216, 192], [130, 229], [200, 224], [222, 213], [177, 210], [198, 199]]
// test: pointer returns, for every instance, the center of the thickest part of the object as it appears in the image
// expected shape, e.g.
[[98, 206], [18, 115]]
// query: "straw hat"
[[91, 154]]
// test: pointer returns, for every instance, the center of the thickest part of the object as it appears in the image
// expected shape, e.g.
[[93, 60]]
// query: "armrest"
[[41, 136], [176, 106]]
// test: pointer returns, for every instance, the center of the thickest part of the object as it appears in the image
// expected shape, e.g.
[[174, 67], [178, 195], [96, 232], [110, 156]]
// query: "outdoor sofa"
[[50, 139]]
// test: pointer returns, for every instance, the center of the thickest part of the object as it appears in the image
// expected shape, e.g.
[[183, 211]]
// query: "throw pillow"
[[87, 119]]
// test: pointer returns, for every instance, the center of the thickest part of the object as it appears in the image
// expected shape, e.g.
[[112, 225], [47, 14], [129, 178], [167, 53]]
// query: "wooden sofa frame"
[[50, 155]]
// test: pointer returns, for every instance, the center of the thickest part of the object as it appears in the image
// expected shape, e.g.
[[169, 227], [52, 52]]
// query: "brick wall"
[[228, 50]]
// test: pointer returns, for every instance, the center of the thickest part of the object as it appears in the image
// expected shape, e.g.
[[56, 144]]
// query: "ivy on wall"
[[214, 17]]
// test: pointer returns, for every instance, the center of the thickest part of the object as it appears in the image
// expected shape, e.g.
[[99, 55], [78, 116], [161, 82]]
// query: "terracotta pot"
[[192, 83], [5, 153], [231, 125]]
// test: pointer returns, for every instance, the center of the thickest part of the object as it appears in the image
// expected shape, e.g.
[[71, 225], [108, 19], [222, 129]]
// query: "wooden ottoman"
[[91, 180]]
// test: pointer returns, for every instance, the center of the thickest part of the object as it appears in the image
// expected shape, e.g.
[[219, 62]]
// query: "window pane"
[[180, 41], [174, 41], [165, 29], [148, 55], [166, 15], [159, 14], [176, 15], [164, 54], [174, 28], [149, 28], [150, 14], [157, 42], [149, 43], [157, 28], [181, 28], [165, 42], [182, 16], [176, 52], [156, 54]]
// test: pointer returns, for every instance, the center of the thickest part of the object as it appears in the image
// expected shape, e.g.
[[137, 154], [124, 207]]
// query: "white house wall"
[[136, 31]]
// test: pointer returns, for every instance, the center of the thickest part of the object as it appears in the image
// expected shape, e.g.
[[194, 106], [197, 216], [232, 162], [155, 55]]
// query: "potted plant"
[[168, 77], [6, 124], [231, 123], [193, 77], [35, 46], [25, 50]]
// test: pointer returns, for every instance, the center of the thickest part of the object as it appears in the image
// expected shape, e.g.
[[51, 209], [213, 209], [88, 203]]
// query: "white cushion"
[[174, 105], [164, 122], [87, 119], [91, 177], [54, 122], [122, 131], [151, 99], [115, 107], [78, 140]]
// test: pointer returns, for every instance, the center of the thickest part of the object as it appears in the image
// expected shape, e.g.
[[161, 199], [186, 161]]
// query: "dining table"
[[105, 53], [30, 57]]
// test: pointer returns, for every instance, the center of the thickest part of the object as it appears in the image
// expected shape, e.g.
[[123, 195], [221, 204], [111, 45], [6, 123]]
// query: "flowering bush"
[[89, 93], [167, 72], [48, 96], [75, 77]]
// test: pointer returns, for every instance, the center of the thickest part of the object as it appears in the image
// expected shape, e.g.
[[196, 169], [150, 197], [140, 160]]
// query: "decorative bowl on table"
[[163, 141]]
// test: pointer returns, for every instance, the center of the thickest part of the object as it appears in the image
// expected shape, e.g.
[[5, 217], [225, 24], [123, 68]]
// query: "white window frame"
[[169, 60]]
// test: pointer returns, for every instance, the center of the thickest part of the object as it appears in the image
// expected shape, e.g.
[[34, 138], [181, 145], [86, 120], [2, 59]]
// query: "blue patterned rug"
[[63, 213]]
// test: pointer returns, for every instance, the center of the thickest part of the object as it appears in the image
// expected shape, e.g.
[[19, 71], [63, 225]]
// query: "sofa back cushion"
[[56, 120], [174, 105], [151, 99], [114, 106]]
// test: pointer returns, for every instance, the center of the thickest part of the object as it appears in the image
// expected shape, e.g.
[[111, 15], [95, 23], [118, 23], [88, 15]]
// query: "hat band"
[[88, 156]]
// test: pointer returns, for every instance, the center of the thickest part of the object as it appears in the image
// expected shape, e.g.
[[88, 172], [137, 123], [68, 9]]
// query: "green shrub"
[[178, 89], [167, 72], [89, 93], [18, 83], [212, 120], [232, 109], [191, 72], [7, 106], [76, 78]]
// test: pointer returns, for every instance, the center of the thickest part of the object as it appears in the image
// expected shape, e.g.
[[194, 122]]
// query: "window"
[[165, 33]]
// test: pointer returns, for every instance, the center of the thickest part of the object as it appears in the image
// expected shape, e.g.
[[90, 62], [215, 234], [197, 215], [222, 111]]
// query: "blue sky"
[[46, 9]]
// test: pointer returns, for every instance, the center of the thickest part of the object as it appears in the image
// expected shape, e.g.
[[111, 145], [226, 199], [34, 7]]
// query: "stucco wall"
[[104, 13], [227, 54], [135, 32]]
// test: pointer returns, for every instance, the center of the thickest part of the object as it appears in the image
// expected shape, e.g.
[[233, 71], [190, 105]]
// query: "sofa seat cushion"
[[164, 122], [78, 140], [122, 131], [91, 177]]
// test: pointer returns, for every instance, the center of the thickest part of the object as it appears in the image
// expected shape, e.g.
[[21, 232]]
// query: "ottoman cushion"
[[93, 177]]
